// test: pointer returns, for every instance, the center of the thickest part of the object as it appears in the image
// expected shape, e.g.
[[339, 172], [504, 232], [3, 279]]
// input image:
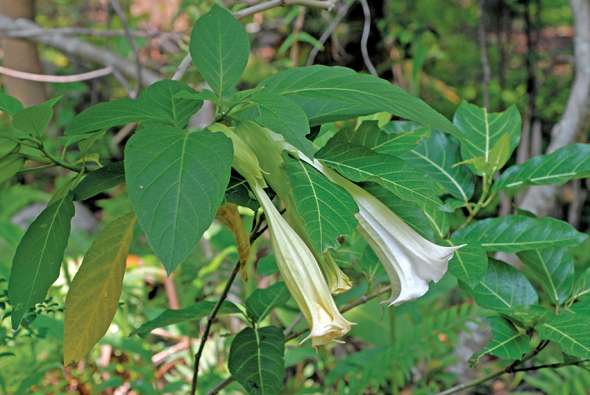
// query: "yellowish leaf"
[[92, 300]]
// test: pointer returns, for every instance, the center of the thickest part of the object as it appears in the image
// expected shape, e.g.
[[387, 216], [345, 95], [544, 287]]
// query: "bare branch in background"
[[340, 14], [78, 48], [365, 37], [119, 11], [327, 5], [80, 31], [576, 119], [59, 79]]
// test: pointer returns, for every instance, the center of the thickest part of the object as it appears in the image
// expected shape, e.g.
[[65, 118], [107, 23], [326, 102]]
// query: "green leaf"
[[552, 269], [106, 115], [430, 222], [35, 119], [256, 360], [170, 101], [503, 288], [369, 135], [194, 312], [93, 297], [481, 131], [329, 94], [9, 166], [514, 233], [280, 115], [164, 101], [7, 146], [570, 331], [567, 163], [469, 264], [437, 156], [506, 342], [361, 164], [220, 48], [327, 210], [100, 180], [9, 104], [263, 300], [176, 181], [582, 286], [38, 257]]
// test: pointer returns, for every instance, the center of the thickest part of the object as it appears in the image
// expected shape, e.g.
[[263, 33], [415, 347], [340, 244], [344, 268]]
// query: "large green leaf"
[[359, 163], [165, 101], [567, 163], [280, 115], [176, 181], [194, 312], [430, 222], [38, 257], [570, 330], [256, 360], [553, 270], [506, 342], [336, 93], [100, 180], [437, 157], [219, 47], [263, 300], [9, 104], [469, 264], [326, 210], [481, 135], [503, 288], [514, 233], [93, 297]]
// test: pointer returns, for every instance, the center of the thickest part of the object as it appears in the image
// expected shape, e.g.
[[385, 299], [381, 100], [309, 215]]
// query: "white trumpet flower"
[[409, 259], [303, 276], [296, 262]]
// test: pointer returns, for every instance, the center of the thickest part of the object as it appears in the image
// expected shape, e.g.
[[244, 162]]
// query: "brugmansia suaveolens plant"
[[321, 155]]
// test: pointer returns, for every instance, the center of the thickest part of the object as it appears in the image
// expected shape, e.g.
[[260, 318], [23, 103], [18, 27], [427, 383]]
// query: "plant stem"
[[210, 320], [256, 232]]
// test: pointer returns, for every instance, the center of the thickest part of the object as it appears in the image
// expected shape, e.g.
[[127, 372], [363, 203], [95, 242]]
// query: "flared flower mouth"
[[410, 260], [303, 276]]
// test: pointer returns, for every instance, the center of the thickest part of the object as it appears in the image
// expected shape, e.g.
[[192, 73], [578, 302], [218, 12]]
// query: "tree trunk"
[[576, 118], [20, 54]]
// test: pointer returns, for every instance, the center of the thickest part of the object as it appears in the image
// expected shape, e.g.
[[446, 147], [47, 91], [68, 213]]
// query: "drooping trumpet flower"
[[303, 276], [409, 259], [297, 264]]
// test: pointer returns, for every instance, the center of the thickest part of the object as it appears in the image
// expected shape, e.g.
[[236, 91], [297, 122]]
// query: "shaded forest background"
[[534, 54]]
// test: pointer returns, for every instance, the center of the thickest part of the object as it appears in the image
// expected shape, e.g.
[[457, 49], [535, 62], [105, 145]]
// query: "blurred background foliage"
[[430, 48]]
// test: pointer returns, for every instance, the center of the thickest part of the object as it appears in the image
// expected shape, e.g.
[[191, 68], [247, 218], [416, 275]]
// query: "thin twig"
[[326, 4], [57, 79], [365, 37], [342, 11], [119, 11]]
